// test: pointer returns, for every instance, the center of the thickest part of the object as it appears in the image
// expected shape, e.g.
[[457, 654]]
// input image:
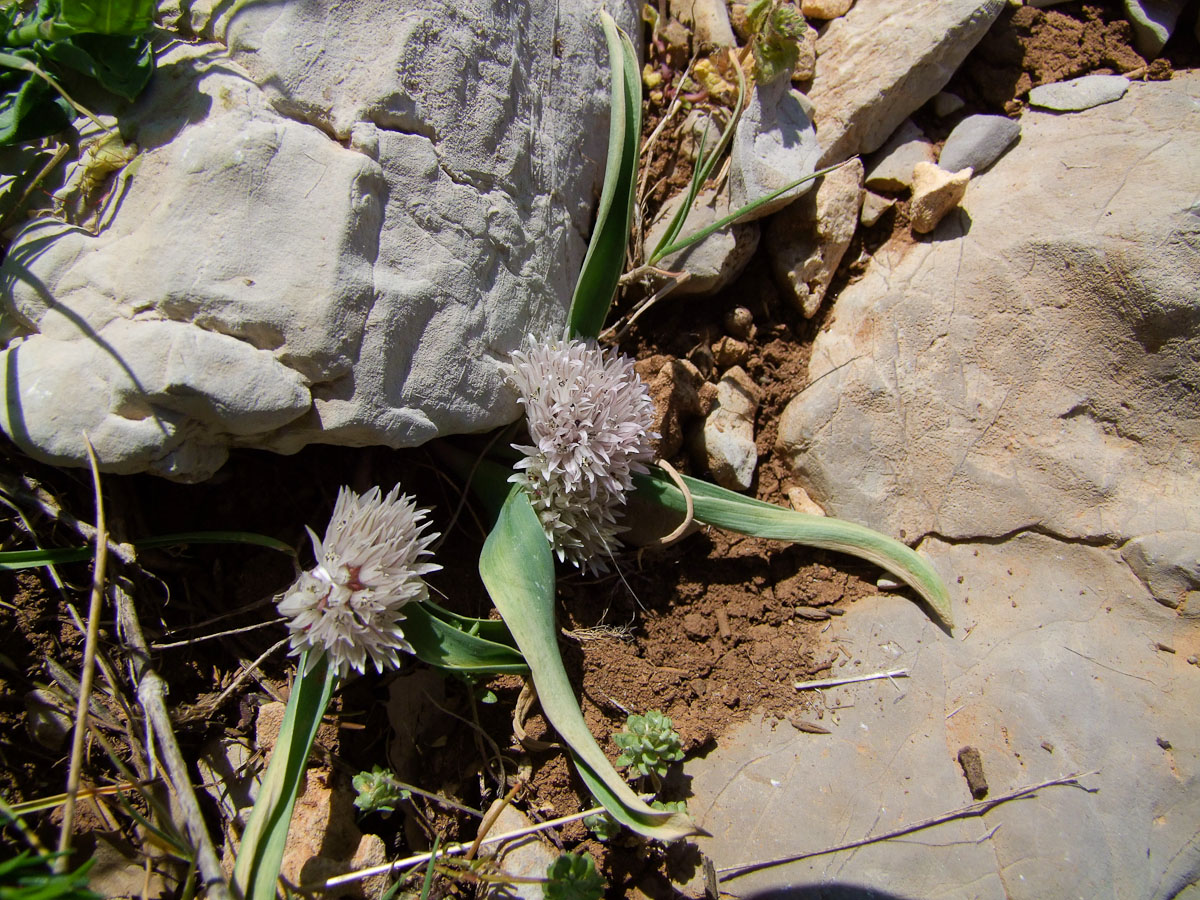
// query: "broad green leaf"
[[108, 16], [716, 506], [517, 568], [256, 870], [605, 259], [448, 646], [120, 64], [493, 630], [29, 106]]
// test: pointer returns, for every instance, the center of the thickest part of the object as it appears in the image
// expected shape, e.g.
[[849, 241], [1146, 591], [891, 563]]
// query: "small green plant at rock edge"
[[649, 744], [573, 877]]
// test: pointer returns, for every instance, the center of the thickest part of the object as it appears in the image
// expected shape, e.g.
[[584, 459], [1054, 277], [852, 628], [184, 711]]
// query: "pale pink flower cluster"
[[589, 418], [369, 567]]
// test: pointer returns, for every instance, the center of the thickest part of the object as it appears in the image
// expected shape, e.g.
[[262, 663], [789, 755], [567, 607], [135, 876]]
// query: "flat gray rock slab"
[[978, 141], [1079, 93], [880, 62], [1052, 671]]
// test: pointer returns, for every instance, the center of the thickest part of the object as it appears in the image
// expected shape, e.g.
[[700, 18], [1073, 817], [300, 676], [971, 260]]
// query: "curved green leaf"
[[714, 505], [256, 870], [449, 646], [517, 568], [27, 559], [605, 259]]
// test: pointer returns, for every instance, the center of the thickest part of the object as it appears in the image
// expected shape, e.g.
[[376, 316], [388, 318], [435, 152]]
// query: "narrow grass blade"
[[449, 646], [730, 219], [605, 259], [27, 559], [700, 174], [256, 871], [716, 506], [518, 570]]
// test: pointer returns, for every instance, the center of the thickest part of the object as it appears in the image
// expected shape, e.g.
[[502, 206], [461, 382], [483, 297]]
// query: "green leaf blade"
[[605, 259], [725, 509], [517, 568]]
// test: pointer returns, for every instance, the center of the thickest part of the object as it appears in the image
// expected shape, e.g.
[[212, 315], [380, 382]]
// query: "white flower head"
[[351, 605], [589, 417]]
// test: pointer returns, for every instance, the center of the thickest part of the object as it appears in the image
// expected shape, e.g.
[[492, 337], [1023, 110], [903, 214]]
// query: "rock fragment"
[[739, 323], [892, 168], [1153, 22], [709, 20], [935, 193], [773, 145], [869, 80], [972, 767], [1079, 93], [719, 258], [947, 104], [978, 141], [726, 442], [873, 208], [674, 390], [825, 9], [807, 240], [1167, 562]]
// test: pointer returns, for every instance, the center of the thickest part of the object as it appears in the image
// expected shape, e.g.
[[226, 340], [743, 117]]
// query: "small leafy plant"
[[649, 744], [32, 876], [378, 791], [573, 877], [777, 27], [43, 45]]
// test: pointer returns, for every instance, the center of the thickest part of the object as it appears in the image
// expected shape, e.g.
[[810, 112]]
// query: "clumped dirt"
[[708, 630]]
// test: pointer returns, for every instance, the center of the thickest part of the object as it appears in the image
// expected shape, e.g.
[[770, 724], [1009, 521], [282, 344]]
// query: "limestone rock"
[[873, 208], [892, 167], [715, 261], [947, 104], [527, 857], [825, 9], [335, 234], [807, 240], [806, 59], [709, 20], [1167, 562], [726, 442], [935, 193], [978, 141], [674, 389], [1153, 22], [881, 62], [773, 145], [1079, 93], [998, 380]]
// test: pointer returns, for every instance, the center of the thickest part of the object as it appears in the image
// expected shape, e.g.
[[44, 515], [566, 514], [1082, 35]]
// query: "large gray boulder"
[[1018, 397], [343, 219]]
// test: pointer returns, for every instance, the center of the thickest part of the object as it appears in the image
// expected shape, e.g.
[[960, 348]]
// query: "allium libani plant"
[[648, 744], [589, 418], [369, 567]]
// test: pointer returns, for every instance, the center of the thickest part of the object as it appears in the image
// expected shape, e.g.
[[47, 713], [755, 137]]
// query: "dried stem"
[[88, 673], [834, 682]]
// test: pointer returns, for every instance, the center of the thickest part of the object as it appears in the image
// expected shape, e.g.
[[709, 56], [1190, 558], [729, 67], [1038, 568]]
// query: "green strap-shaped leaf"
[[716, 506], [108, 16], [256, 870], [605, 259], [450, 646], [27, 559], [518, 570]]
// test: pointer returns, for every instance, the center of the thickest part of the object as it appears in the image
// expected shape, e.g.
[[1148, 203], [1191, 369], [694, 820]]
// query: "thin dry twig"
[[151, 691], [88, 673], [834, 682], [490, 818], [973, 809], [689, 513]]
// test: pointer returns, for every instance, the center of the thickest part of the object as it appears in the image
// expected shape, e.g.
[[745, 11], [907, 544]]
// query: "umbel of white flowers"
[[369, 568], [589, 417]]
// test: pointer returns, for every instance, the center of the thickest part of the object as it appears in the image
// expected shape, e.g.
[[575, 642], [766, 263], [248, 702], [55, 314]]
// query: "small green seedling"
[[648, 744], [603, 826], [573, 877], [777, 31], [378, 791]]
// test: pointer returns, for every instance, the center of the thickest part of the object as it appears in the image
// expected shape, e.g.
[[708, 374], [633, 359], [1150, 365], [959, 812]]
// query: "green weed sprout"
[[603, 826], [573, 877], [777, 28], [378, 791], [648, 744], [31, 876]]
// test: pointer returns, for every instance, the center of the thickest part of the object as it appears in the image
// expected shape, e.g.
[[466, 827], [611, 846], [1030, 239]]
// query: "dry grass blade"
[[88, 673]]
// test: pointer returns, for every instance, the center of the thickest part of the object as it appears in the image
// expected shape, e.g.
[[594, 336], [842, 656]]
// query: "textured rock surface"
[[1153, 22], [725, 444], [719, 258], [879, 63], [935, 193], [773, 145], [978, 141], [1079, 93], [1041, 377], [807, 240], [262, 284], [892, 167]]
